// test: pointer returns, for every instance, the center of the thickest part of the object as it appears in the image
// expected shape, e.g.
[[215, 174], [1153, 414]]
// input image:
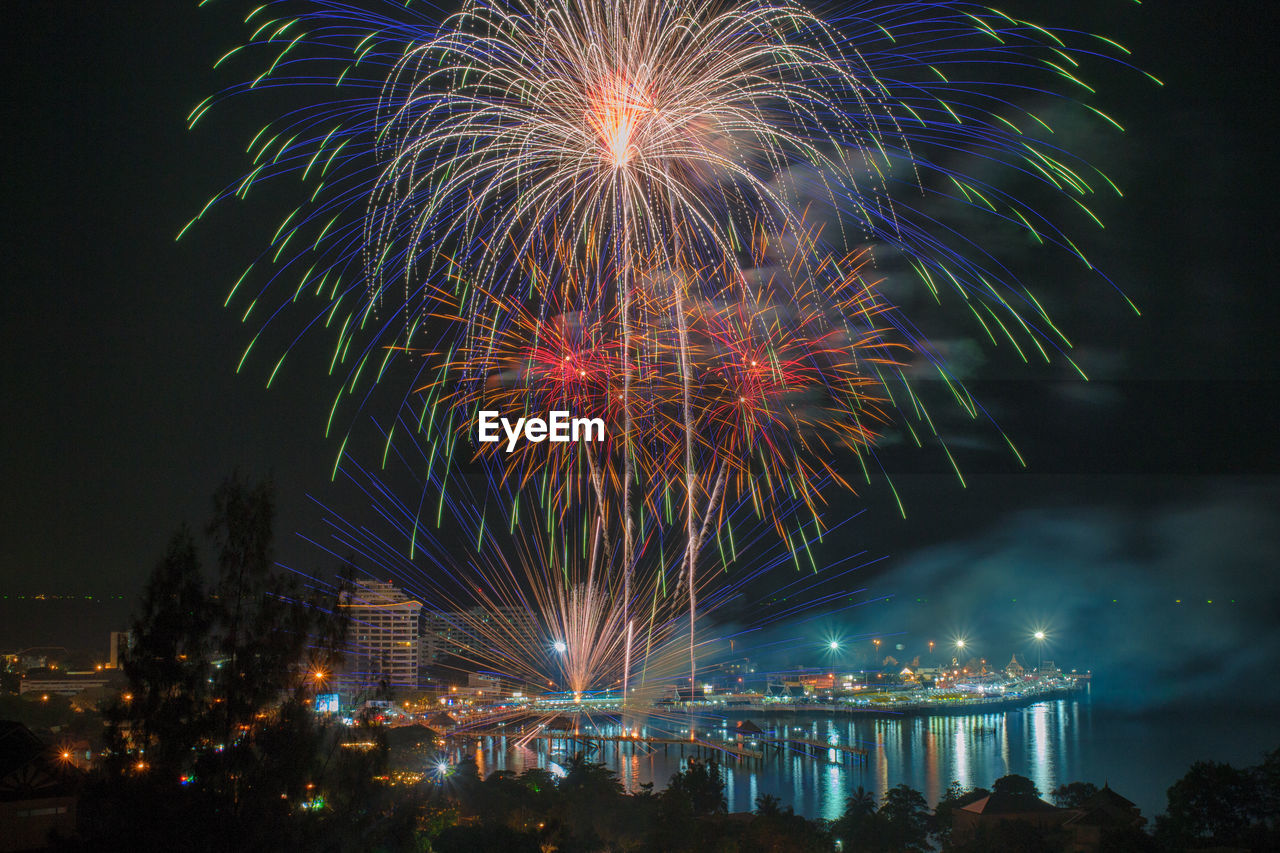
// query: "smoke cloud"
[[1167, 604]]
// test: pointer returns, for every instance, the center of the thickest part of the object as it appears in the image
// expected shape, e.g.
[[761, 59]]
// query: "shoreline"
[[958, 708]]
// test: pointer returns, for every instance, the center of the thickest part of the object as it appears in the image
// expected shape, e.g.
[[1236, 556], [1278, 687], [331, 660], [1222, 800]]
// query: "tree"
[[699, 789], [955, 796], [780, 830], [906, 814], [164, 709], [588, 776], [591, 795], [1267, 779], [213, 738], [767, 805], [1074, 794], [861, 827], [261, 634], [861, 803], [1213, 803], [1015, 785]]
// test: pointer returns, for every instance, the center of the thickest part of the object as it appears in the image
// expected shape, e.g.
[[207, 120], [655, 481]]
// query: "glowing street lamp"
[[1039, 638]]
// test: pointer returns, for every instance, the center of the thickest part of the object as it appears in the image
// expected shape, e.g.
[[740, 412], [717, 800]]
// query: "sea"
[[1077, 737]]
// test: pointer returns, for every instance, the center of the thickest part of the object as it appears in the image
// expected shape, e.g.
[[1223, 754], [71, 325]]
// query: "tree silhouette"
[[699, 789], [213, 739], [164, 710], [955, 796], [906, 815], [1212, 804], [767, 805], [861, 827], [861, 803], [1015, 785], [1074, 794]]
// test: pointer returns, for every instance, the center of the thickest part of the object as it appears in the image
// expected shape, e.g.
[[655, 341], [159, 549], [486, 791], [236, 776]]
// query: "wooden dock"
[[746, 749], [814, 748]]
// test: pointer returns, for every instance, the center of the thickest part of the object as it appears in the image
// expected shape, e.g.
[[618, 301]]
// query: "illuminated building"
[[118, 644], [462, 632], [382, 639]]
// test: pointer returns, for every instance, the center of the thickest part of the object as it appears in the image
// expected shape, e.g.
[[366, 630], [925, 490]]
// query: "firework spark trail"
[[575, 640], [569, 158], [887, 104], [777, 376]]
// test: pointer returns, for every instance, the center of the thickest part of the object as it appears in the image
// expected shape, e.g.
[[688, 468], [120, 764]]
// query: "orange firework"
[[728, 400]]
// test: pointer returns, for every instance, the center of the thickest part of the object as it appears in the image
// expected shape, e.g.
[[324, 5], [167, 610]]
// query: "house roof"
[[27, 768], [746, 727], [1000, 803], [1107, 808], [1106, 796], [404, 735]]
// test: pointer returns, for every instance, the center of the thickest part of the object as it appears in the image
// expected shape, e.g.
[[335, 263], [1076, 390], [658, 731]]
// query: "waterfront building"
[[383, 638], [1104, 812], [1015, 669], [981, 816], [469, 633], [1082, 827]]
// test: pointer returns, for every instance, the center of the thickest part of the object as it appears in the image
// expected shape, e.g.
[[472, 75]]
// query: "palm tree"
[[860, 803], [767, 805]]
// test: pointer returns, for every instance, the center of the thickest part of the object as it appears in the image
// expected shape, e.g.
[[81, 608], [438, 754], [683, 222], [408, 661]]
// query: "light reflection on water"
[[1052, 743], [1040, 741]]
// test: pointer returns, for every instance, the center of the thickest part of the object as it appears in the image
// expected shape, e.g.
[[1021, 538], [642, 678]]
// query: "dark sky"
[[123, 409]]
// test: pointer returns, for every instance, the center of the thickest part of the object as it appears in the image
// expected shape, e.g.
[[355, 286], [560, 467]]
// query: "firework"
[[547, 620], [551, 200], [592, 142]]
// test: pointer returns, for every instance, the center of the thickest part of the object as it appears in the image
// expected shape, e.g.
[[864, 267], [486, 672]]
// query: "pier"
[[745, 749]]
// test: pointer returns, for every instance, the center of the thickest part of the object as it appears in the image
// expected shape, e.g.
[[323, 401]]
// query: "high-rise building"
[[117, 644], [472, 633], [382, 639]]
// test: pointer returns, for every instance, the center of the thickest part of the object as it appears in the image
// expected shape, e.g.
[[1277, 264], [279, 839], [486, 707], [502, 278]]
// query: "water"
[[1053, 742]]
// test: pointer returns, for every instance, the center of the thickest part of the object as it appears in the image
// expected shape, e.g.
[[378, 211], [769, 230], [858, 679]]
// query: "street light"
[[1039, 638], [834, 645]]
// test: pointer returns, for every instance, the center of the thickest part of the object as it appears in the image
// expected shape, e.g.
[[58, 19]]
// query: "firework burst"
[[556, 201], [600, 143]]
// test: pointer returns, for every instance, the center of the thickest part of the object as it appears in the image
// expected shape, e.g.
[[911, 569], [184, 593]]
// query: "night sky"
[[1158, 481]]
